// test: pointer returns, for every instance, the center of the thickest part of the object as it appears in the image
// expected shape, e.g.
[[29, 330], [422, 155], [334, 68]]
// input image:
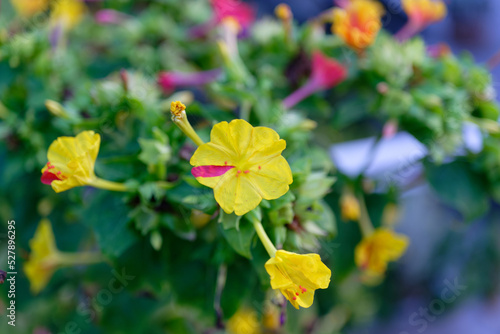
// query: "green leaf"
[[107, 214], [240, 240], [145, 219], [229, 220], [457, 185], [181, 226]]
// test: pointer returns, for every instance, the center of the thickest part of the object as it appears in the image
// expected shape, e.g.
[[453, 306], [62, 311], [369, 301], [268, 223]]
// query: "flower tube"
[[326, 73], [421, 13]]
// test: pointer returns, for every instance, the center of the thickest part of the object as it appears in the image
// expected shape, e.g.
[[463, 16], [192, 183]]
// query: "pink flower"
[[326, 73], [171, 80], [438, 50], [241, 12], [110, 16], [390, 129]]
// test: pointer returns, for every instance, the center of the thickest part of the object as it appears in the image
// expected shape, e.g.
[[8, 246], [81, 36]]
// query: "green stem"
[[246, 107], [364, 221], [221, 282], [264, 238], [161, 170], [165, 184], [108, 185], [69, 259], [188, 130]]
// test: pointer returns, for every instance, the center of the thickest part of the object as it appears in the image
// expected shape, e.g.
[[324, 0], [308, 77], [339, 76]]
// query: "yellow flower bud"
[[349, 207]]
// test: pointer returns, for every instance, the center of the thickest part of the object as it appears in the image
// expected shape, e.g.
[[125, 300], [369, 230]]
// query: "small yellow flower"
[[27, 8], [358, 22], [199, 219], [71, 161], [390, 215], [244, 321], [271, 319], [424, 12], [67, 13], [349, 207], [374, 252], [298, 276], [283, 12], [243, 165], [43, 259]]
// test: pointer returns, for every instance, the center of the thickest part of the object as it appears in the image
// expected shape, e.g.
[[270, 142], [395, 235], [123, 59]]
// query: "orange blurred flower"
[[358, 22]]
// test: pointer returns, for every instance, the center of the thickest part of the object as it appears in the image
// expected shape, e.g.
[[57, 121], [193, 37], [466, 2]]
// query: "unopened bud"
[[56, 109]]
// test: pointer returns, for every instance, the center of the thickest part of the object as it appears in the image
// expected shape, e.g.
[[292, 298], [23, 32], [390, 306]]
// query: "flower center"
[[294, 293], [51, 174]]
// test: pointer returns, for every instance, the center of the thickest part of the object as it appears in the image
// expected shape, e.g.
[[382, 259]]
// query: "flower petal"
[[235, 193], [213, 154], [210, 171], [48, 177], [81, 151], [272, 179]]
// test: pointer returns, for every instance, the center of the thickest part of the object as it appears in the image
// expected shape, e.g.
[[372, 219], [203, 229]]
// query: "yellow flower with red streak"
[[358, 22], [375, 251], [71, 163], [243, 164], [424, 12], [298, 276], [29, 8], [43, 259]]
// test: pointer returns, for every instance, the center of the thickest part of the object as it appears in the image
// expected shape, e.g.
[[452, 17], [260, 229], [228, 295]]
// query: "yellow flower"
[[298, 276], [358, 22], [68, 13], [199, 219], [243, 322], [349, 207], [71, 163], [374, 252], [243, 165], [29, 8], [43, 259], [424, 12], [271, 319], [283, 12]]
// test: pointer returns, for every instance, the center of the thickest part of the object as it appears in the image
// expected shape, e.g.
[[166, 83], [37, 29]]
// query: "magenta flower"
[[241, 12], [326, 73], [110, 16], [438, 50], [169, 81]]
